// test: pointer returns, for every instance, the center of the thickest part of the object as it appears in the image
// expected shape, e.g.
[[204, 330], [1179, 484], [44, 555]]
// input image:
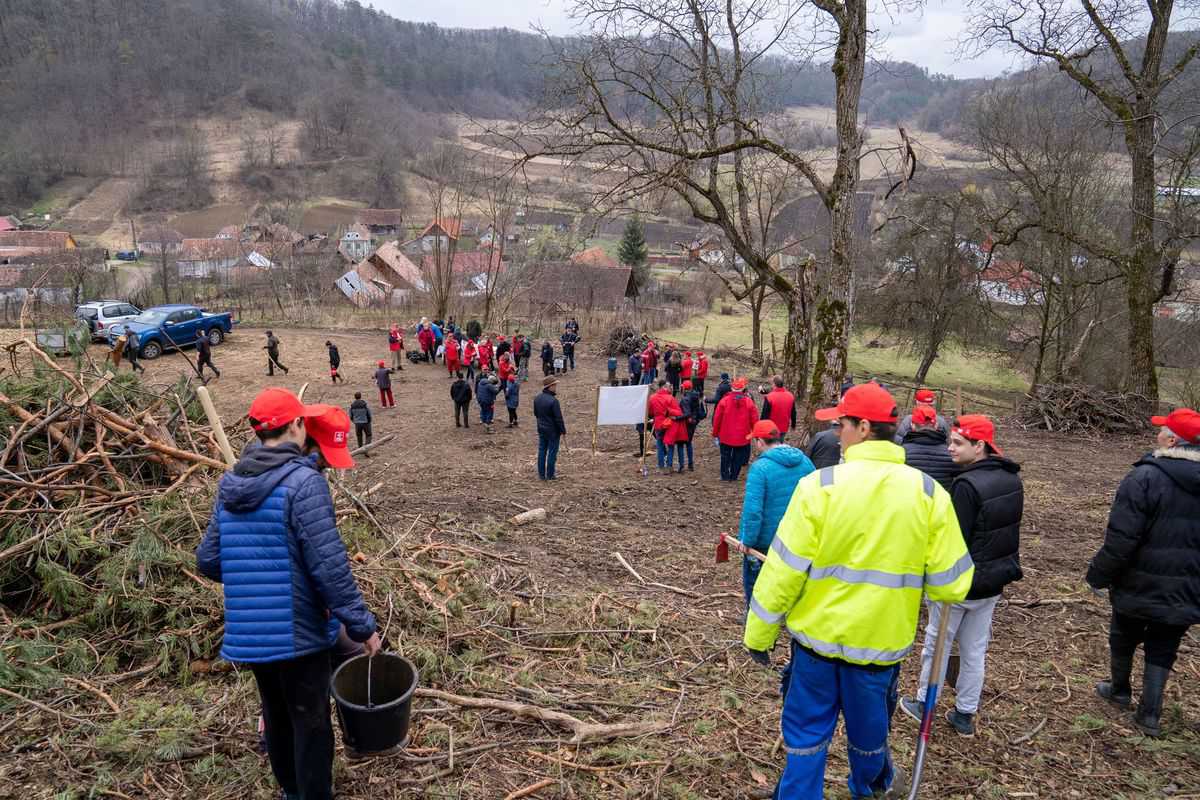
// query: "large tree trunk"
[[833, 289], [1142, 267], [756, 304], [930, 355]]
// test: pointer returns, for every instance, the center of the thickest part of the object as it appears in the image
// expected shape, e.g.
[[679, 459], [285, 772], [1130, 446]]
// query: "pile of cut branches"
[[625, 340], [99, 473], [1074, 408]]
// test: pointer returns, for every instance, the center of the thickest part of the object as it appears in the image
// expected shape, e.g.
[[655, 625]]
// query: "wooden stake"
[[958, 401], [646, 429], [704, 341], [214, 419]]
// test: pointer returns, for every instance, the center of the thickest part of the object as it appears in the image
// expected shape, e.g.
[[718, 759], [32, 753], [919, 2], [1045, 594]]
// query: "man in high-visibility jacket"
[[858, 545]]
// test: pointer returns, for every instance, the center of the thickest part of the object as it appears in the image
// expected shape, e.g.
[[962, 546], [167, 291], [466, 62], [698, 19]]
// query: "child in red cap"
[[383, 379]]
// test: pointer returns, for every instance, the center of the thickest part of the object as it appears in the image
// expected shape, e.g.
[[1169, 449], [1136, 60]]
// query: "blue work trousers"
[[819, 689]]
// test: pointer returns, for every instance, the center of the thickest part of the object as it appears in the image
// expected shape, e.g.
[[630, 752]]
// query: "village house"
[[57, 276], [386, 276], [438, 234], [381, 223], [27, 242], [204, 258], [1009, 283], [594, 257], [564, 286], [158, 239], [355, 244]]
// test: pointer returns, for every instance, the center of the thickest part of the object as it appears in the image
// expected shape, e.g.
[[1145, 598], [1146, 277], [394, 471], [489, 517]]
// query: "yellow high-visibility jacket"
[[858, 544]]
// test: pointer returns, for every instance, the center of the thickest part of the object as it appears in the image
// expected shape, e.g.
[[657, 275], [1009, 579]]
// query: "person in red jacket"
[[650, 364], [470, 359], [452, 363], [733, 421], [427, 341], [700, 372], [505, 370], [663, 409], [396, 346], [485, 355], [779, 406], [686, 366]]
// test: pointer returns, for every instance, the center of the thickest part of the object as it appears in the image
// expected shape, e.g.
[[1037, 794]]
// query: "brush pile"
[[98, 473], [1073, 408], [625, 340]]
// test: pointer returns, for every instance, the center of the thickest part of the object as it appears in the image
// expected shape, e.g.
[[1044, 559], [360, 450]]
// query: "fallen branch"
[[584, 731], [530, 789], [645, 582], [1028, 736]]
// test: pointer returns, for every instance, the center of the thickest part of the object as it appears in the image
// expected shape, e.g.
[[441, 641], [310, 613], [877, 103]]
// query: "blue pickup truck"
[[163, 328]]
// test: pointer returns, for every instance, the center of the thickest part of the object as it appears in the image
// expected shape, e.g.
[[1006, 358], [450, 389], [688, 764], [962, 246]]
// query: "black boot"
[[1149, 710], [1117, 691]]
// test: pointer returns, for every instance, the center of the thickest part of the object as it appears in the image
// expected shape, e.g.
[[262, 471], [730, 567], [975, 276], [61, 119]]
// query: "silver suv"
[[100, 314]]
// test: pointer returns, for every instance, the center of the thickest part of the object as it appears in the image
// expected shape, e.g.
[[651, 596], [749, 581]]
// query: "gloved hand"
[[1101, 593], [760, 657]]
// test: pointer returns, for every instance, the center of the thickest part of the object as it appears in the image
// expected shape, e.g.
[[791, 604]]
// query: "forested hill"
[[105, 56]]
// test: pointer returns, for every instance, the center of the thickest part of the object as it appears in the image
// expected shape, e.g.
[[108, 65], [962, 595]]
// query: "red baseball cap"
[[977, 428], [868, 401], [739, 383], [925, 396], [764, 429], [381, 363], [274, 408], [687, 384], [924, 415], [1183, 422], [330, 429]]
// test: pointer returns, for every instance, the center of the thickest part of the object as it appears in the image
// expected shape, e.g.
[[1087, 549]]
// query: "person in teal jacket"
[[769, 485]]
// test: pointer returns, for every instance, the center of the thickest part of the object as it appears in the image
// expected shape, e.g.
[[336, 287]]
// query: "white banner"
[[622, 405]]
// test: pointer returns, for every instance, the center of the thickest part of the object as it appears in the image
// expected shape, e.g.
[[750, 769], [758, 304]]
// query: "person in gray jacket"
[[360, 415]]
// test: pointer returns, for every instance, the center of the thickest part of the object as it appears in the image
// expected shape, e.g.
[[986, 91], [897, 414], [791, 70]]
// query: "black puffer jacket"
[[925, 449], [1151, 554], [825, 449], [989, 500]]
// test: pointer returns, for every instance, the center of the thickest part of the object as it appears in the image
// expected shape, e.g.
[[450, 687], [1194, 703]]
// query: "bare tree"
[[1116, 52], [444, 172], [667, 93], [496, 190]]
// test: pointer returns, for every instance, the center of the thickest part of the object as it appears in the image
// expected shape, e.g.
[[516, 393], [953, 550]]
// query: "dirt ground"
[[554, 619]]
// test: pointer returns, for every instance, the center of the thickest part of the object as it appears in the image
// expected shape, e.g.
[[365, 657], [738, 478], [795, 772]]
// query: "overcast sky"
[[928, 39]]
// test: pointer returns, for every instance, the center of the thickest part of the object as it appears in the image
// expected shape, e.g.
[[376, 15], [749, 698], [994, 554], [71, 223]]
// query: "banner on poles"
[[622, 405]]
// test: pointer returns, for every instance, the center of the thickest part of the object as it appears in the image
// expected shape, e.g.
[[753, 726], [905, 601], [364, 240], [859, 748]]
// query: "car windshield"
[[151, 317], [86, 311]]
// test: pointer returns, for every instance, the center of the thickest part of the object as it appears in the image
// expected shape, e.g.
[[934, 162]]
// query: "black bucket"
[[378, 723]]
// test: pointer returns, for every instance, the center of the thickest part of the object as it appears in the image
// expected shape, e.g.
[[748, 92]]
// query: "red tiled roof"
[[471, 262], [391, 262], [162, 235], [383, 217], [7, 224], [594, 257], [209, 249], [451, 227], [47, 240]]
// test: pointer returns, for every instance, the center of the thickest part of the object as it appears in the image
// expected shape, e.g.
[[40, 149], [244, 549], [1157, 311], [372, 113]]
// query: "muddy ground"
[[546, 614]]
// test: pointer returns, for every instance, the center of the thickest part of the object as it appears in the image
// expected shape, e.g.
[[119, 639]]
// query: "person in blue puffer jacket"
[[769, 486], [272, 540]]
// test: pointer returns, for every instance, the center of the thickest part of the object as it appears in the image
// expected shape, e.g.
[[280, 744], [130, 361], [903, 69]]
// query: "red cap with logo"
[[687, 384], [1183, 422], [274, 408], [764, 429], [925, 396], [868, 401], [330, 429], [977, 428], [924, 415]]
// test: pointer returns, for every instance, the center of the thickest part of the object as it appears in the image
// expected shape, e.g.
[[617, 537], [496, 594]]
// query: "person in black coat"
[[547, 358], [723, 388], [1150, 563], [989, 501], [460, 393], [926, 448], [550, 428], [204, 355], [825, 448], [635, 369], [673, 370], [335, 362], [692, 405]]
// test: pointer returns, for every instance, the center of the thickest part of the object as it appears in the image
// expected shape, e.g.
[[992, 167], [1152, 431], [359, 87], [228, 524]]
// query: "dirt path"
[[97, 214]]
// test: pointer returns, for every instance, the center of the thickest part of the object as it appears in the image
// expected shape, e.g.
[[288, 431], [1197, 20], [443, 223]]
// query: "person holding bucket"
[[272, 541]]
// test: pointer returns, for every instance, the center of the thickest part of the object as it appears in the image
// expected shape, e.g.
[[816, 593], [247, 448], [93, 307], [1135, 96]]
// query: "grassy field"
[[981, 370]]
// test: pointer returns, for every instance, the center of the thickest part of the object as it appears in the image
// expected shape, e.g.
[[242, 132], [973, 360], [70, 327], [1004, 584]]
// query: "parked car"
[[163, 328], [101, 314], [128, 255]]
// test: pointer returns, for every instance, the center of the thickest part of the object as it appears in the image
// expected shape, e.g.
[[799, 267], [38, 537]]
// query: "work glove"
[[760, 657]]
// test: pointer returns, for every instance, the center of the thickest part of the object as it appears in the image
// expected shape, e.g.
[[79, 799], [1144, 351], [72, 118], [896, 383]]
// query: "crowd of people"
[[842, 540]]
